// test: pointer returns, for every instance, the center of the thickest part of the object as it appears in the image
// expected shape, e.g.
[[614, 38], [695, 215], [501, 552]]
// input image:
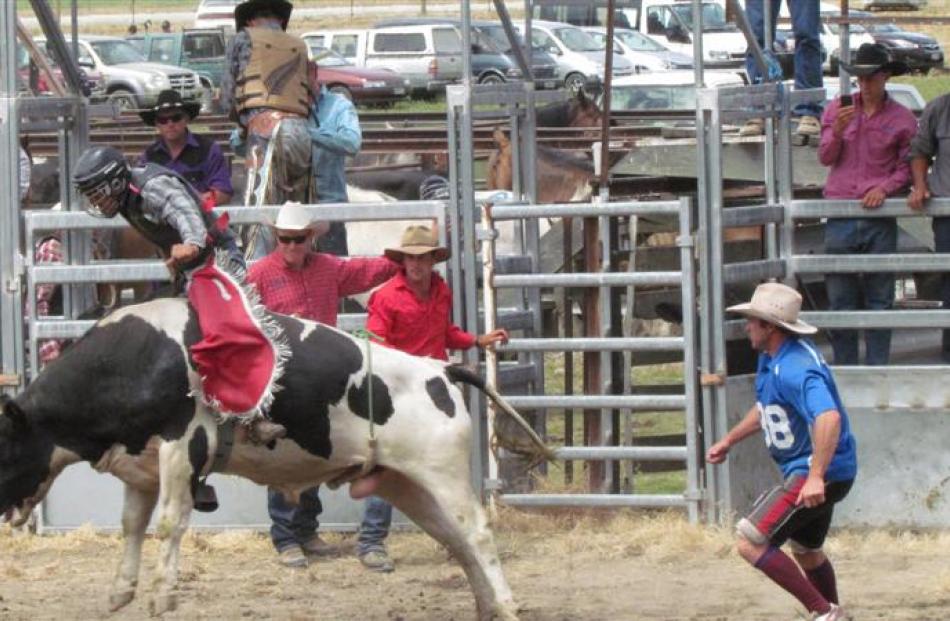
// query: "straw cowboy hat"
[[294, 217], [170, 101], [778, 304], [418, 240], [873, 57], [246, 11]]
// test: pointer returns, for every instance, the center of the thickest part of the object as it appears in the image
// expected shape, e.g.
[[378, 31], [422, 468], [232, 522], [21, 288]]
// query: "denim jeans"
[[860, 291], [941, 227], [806, 27], [290, 524], [377, 517]]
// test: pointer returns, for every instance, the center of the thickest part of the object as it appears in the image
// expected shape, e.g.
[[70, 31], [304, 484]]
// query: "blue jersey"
[[792, 389]]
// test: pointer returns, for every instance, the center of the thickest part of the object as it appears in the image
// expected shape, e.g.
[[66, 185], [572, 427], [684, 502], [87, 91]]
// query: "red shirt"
[[418, 327], [314, 291]]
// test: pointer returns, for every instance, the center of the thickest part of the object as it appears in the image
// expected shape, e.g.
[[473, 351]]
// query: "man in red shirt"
[[411, 313], [295, 280]]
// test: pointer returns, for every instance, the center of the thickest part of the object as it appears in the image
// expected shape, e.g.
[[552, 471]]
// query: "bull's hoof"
[[162, 603], [505, 612], [120, 598]]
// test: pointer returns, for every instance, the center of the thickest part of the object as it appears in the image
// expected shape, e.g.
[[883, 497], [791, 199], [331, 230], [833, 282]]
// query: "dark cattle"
[[120, 399]]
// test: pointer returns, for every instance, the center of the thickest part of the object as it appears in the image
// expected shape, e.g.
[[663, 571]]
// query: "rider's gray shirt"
[[166, 199], [933, 141]]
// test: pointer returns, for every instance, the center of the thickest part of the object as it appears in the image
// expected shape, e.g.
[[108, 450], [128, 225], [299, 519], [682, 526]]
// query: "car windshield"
[[854, 29], [498, 38], [577, 40], [639, 42], [328, 58], [117, 52], [714, 17], [885, 28], [659, 97]]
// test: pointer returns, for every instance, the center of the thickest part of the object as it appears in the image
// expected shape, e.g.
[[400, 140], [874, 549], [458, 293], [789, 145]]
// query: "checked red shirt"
[[314, 291], [418, 327]]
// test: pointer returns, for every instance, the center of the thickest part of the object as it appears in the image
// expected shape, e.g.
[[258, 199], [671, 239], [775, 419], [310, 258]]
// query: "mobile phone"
[[846, 100]]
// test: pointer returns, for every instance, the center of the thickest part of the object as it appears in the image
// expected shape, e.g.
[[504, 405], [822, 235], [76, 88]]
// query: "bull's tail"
[[533, 449]]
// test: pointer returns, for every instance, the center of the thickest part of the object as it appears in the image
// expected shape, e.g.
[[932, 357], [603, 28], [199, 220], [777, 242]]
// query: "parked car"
[[358, 84], [130, 80], [921, 52], [642, 61], [580, 59], [202, 51], [831, 40], [785, 38], [429, 55], [905, 94], [492, 58], [894, 5], [216, 14], [30, 79], [639, 42], [670, 90]]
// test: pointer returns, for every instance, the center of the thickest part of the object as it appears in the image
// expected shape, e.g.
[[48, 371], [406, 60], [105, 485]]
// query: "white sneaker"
[[808, 126], [836, 613]]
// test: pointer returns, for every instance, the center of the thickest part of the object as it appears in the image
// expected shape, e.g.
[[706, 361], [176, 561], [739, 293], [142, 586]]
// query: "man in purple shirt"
[[197, 158], [866, 144]]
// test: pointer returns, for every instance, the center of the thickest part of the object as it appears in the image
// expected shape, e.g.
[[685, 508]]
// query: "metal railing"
[[686, 402]]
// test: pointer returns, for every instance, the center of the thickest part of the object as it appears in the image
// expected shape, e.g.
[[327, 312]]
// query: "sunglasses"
[[292, 239], [172, 118]]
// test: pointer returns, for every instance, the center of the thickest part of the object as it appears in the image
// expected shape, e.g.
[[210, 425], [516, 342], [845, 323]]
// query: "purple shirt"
[[871, 153], [201, 163]]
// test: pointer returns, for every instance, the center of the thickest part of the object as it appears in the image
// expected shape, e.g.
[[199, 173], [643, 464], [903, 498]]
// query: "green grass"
[[930, 86]]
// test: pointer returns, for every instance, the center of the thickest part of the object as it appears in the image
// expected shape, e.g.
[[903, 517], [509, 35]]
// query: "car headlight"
[[158, 81], [903, 44], [514, 72], [374, 83], [719, 54]]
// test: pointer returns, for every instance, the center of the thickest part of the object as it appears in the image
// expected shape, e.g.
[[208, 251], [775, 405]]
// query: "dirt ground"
[[628, 567]]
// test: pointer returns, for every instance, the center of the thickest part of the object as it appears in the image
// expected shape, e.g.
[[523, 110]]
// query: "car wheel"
[[207, 97], [123, 99], [491, 78], [342, 91], [924, 70], [574, 83]]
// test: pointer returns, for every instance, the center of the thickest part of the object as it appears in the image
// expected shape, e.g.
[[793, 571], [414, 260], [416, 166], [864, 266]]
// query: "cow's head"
[[25, 453]]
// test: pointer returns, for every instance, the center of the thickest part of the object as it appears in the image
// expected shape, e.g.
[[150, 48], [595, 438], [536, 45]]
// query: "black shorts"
[[776, 516]]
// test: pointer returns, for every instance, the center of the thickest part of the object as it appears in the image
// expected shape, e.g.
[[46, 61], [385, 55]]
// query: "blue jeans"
[[377, 517], [293, 525], [860, 291], [941, 227], [806, 27]]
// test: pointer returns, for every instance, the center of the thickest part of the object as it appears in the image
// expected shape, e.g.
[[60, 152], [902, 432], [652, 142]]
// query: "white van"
[[579, 57], [428, 55]]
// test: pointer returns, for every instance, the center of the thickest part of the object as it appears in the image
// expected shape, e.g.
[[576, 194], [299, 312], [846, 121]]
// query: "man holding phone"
[[865, 140]]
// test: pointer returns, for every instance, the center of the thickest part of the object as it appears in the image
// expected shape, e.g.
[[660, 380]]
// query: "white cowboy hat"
[[418, 240], [778, 304], [294, 217]]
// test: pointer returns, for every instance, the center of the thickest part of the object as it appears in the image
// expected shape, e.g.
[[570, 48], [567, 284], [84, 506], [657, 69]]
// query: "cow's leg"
[[446, 507], [175, 503], [136, 512]]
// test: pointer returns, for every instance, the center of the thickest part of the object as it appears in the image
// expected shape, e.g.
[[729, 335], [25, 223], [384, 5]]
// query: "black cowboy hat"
[[246, 11], [873, 57], [170, 101]]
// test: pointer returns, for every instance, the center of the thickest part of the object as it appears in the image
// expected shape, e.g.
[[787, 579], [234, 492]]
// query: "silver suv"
[[130, 80]]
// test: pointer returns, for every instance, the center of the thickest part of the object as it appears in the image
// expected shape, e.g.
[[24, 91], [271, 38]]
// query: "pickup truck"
[[200, 50]]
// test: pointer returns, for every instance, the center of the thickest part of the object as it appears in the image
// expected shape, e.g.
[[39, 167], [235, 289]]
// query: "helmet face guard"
[[103, 198]]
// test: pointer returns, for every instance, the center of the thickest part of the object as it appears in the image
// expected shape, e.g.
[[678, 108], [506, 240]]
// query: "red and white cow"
[[121, 398]]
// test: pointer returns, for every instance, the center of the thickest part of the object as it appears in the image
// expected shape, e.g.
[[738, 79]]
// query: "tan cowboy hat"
[[418, 240], [294, 217], [778, 304]]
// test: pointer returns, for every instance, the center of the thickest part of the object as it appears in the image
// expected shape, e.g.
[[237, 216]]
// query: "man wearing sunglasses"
[[295, 280], [197, 158]]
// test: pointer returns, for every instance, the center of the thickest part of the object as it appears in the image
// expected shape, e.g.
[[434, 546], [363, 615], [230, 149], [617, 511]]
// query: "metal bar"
[[751, 42], [490, 314], [753, 271], [588, 279], [638, 453], [669, 343], [752, 215], [56, 44], [894, 207], [690, 359], [659, 403], [592, 500], [523, 63], [113, 271], [879, 319], [514, 212], [839, 264]]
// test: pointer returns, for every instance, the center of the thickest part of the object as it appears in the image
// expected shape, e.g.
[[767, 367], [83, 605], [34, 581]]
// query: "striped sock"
[[823, 579]]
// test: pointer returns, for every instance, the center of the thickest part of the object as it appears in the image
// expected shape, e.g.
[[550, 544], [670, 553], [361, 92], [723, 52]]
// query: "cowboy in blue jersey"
[[807, 432]]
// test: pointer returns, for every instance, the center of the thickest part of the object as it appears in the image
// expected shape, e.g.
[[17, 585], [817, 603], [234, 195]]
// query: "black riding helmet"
[[102, 172]]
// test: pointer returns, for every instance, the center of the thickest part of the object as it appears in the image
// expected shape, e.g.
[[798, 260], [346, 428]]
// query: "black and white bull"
[[121, 399]]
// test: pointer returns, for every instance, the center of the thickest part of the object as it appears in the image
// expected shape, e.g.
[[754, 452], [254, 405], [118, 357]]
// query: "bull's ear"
[[16, 415]]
